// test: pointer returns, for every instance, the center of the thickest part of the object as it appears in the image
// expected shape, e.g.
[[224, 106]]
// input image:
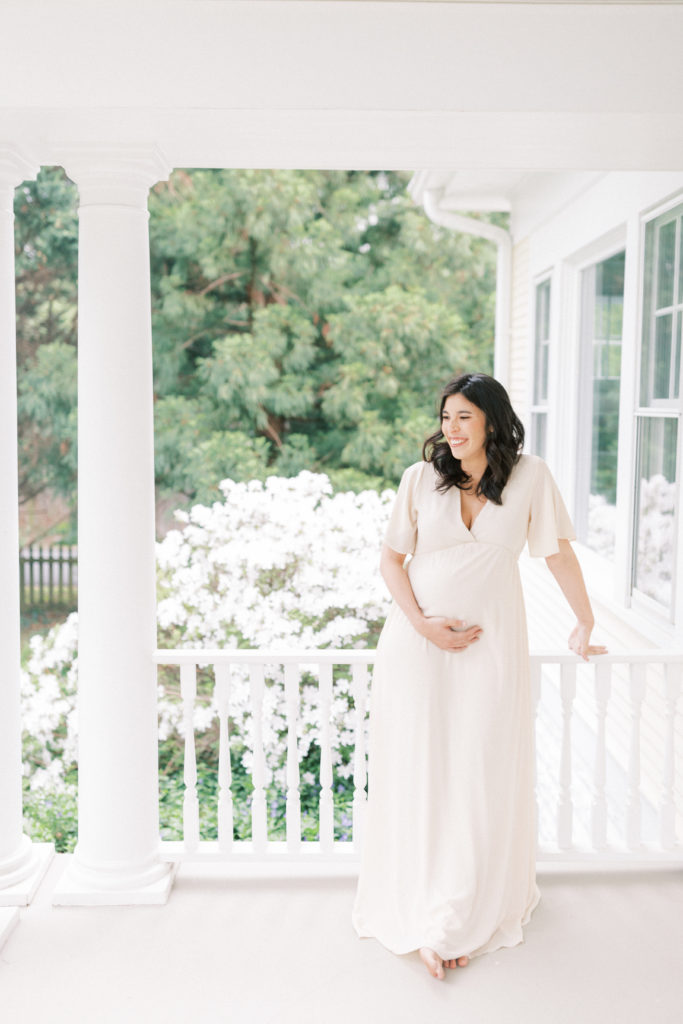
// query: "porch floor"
[[599, 948]]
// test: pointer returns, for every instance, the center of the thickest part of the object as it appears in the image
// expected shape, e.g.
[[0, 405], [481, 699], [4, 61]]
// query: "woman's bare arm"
[[566, 569], [441, 631]]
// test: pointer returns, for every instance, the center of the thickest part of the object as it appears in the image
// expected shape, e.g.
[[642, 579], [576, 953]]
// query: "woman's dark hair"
[[504, 440]]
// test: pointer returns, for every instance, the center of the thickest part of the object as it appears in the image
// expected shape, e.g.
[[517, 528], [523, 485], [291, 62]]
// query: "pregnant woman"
[[449, 853]]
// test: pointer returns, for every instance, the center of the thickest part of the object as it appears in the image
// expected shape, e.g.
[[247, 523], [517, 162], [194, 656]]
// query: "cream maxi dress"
[[448, 854]]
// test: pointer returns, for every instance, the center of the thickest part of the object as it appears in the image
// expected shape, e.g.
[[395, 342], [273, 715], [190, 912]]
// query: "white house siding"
[[562, 214], [520, 328], [560, 230]]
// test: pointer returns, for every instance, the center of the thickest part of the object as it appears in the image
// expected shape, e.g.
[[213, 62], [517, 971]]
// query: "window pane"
[[677, 360], [538, 433], [543, 373], [663, 289], [605, 439], [656, 484], [603, 305], [544, 295], [666, 256], [662, 368], [648, 315], [541, 343]]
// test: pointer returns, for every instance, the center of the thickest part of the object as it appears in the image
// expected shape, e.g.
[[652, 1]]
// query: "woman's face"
[[464, 427]]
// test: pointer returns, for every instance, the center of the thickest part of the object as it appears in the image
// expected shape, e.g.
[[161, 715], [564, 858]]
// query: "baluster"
[[50, 565], [535, 693], [225, 807], [41, 573], [259, 824], [188, 692], [637, 692], [360, 693], [293, 796], [326, 806], [564, 809], [603, 675], [31, 564], [667, 815]]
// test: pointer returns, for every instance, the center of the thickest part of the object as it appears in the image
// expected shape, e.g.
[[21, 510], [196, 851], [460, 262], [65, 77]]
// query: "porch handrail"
[[269, 656], [327, 656]]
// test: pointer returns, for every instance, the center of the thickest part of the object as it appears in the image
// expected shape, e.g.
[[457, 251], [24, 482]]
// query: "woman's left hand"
[[579, 641]]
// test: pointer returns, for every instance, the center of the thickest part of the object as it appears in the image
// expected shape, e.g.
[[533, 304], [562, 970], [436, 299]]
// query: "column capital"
[[114, 175], [15, 166]]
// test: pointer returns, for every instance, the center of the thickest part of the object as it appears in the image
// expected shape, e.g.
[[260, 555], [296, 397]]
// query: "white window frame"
[[584, 446], [566, 387], [674, 214], [540, 408], [660, 408]]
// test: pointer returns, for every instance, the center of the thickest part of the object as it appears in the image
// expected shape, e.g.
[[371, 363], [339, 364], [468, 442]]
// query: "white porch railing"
[[606, 745]]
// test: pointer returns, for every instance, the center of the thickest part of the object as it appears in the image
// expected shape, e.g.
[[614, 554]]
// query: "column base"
[[79, 888], [22, 892]]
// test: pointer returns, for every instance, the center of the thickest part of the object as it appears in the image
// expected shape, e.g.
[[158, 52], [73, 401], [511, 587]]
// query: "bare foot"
[[435, 964], [432, 962], [461, 961]]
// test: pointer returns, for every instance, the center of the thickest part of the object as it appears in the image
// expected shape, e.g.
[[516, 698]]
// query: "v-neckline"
[[462, 518]]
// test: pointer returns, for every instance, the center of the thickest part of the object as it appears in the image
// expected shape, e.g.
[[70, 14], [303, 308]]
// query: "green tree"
[[305, 319], [301, 319], [46, 256], [47, 421]]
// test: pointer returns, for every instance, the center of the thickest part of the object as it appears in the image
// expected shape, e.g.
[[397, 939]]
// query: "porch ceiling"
[[318, 83]]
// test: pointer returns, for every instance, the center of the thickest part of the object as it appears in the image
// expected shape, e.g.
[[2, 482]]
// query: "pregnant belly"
[[474, 582]]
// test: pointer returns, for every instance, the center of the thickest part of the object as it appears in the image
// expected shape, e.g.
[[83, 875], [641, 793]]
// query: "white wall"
[[565, 218], [561, 226]]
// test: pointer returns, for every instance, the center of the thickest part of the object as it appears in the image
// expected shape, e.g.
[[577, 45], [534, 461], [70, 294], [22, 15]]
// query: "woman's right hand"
[[449, 634]]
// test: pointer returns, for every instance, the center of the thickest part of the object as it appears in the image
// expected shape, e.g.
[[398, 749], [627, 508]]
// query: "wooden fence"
[[48, 576]]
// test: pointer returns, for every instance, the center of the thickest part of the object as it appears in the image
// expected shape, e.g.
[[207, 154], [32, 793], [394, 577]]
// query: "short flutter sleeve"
[[548, 516], [401, 532]]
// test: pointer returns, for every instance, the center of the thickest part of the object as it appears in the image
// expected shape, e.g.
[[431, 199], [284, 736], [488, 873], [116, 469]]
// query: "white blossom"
[[655, 531], [280, 563]]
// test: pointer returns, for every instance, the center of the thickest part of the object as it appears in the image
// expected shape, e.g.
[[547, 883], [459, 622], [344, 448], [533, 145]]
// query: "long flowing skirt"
[[449, 846]]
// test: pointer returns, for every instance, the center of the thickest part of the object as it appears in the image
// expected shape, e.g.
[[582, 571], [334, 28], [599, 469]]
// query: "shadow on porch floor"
[[599, 949]]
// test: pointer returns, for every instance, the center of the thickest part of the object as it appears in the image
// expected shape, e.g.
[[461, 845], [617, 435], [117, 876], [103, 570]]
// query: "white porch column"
[[117, 857], [22, 863]]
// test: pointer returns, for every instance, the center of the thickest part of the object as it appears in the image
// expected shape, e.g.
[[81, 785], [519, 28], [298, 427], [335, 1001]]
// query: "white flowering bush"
[[655, 534], [280, 564], [48, 699], [656, 537], [602, 519], [283, 563]]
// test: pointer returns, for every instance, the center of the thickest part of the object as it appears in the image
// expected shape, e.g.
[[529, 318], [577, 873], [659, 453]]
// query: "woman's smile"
[[457, 442]]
